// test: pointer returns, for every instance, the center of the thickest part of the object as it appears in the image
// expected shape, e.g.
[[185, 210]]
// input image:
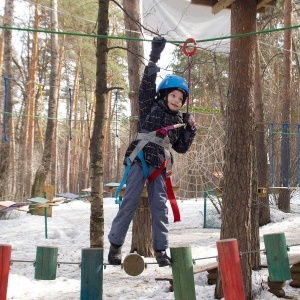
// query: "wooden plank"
[[38, 200], [209, 3], [222, 4], [207, 267], [266, 3]]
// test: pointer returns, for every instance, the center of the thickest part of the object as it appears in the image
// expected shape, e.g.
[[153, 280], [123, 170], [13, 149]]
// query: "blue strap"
[[144, 164], [127, 169]]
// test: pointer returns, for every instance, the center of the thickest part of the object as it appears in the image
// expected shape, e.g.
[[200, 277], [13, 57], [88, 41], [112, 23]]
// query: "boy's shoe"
[[115, 255], [162, 258]]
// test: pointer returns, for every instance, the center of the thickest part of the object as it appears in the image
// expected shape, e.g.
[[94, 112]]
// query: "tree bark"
[[261, 150], [97, 140], [239, 166], [141, 236], [284, 194], [44, 168], [5, 145]]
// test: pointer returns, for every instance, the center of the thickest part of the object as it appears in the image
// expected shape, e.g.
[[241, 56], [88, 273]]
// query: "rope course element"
[[5, 108], [149, 40], [153, 263], [40, 121], [285, 156], [70, 115], [189, 55], [272, 154], [116, 111]]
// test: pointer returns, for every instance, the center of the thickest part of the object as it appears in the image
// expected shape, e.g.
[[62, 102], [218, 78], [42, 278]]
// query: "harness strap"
[[169, 190], [145, 138]]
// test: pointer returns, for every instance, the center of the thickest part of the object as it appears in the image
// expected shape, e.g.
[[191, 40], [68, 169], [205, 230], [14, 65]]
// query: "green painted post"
[[182, 271], [91, 274], [277, 257], [205, 208], [46, 263], [46, 226]]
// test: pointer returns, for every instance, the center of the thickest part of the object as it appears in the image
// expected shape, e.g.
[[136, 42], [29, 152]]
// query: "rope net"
[[200, 169]]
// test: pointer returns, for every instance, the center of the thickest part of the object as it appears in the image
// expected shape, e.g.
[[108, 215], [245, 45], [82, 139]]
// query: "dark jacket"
[[153, 115]]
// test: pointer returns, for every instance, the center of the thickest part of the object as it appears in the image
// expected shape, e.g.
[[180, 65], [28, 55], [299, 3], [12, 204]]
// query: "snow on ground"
[[68, 229]]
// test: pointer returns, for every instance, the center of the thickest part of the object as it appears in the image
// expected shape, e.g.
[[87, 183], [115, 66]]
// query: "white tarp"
[[179, 20]]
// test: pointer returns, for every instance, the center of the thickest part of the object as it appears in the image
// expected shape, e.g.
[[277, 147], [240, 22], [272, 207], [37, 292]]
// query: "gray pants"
[[158, 208]]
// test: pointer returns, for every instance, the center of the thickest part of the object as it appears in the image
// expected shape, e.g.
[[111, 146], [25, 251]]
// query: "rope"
[[5, 108], [70, 115], [150, 40], [116, 104], [285, 156], [41, 102], [272, 154]]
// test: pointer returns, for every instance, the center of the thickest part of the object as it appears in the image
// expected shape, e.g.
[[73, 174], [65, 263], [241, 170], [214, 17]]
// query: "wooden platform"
[[218, 5], [211, 268]]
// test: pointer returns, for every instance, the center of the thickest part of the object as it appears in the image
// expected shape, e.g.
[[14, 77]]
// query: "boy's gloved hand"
[[189, 120], [157, 47]]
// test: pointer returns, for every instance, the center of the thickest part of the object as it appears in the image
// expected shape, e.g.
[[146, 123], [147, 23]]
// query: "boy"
[[158, 112]]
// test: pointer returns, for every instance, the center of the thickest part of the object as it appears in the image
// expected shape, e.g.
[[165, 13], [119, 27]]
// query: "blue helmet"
[[173, 82]]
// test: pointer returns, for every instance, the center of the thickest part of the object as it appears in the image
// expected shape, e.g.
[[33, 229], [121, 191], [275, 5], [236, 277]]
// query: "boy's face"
[[175, 100]]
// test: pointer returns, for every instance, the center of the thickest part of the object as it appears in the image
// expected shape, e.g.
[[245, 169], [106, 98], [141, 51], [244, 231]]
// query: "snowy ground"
[[68, 229]]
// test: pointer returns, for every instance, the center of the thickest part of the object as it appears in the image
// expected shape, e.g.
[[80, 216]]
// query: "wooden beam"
[[266, 3], [221, 5], [203, 2]]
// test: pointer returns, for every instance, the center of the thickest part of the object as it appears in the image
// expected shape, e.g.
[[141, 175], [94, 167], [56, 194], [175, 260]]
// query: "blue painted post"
[[91, 274]]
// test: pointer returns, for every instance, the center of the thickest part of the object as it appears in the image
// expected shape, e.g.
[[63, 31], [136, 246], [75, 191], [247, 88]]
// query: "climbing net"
[[200, 169]]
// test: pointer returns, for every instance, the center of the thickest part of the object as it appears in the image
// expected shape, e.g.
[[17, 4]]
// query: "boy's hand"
[[157, 47], [189, 120]]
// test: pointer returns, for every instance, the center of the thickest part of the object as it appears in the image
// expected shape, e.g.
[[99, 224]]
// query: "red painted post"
[[231, 270], [5, 254]]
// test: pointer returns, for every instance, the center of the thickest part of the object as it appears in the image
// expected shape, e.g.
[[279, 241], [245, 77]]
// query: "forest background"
[[69, 172], [65, 111]]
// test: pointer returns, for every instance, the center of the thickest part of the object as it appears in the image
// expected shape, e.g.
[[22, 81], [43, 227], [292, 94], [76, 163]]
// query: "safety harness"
[[144, 138]]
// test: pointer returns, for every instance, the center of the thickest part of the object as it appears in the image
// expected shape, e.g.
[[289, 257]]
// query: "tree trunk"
[[54, 164], [284, 194], [96, 150], [239, 153], [260, 144], [140, 242], [44, 168], [7, 119]]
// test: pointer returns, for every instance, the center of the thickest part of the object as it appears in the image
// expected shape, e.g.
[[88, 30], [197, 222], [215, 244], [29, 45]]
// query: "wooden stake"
[[277, 257], [91, 274], [230, 269], [46, 263], [182, 270], [5, 254]]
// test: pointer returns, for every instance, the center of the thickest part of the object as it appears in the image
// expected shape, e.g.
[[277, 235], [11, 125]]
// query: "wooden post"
[[91, 274], [277, 257], [46, 263], [182, 271], [231, 270], [5, 254]]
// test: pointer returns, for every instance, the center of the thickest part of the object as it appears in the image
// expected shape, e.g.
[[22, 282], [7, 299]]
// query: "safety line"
[[246, 34]]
